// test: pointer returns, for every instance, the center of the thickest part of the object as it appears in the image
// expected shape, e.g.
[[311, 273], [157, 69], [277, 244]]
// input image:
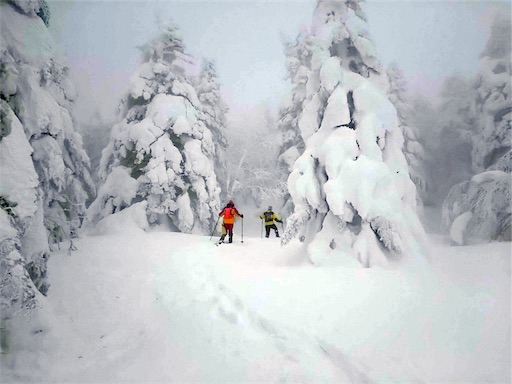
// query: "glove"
[[242, 216]]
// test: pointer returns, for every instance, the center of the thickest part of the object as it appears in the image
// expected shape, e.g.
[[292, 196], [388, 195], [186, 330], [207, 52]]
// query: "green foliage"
[[133, 162], [5, 337], [5, 120], [131, 102], [38, 275], [7, 206], [44, 12]]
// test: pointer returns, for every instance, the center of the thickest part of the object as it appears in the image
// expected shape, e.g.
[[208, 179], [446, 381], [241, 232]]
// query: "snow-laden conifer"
[[298, 66], [214, 117], [480, 209], [23, 241], [43, 166], [493, 100], [351, 187], [413, 149], [253, 176], [161, 151]]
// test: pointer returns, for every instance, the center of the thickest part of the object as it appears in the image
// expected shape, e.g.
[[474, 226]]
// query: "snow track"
[[170, 307], [236, 333]]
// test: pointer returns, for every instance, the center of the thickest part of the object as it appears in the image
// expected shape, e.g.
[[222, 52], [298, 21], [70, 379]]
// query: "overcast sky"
[[429, 41]]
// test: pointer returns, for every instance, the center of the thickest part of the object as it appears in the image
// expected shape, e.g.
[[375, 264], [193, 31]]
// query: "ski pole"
[[261, 232], [215, 226], [242, 229]]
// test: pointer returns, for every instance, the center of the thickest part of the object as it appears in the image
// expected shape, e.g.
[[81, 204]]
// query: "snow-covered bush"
[[161, 151], [351, 187], [480, 210]]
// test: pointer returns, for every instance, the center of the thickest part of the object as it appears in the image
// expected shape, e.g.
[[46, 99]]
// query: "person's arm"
[[276, 218], [238, 213]]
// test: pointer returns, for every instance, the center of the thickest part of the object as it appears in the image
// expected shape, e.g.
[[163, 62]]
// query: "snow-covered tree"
[[44, 168], [96, 133], [298, 65], [253, 176], [214, 114], [480, 209], [161, 151], [493, 100], [351, 187], [23, 240], [413, 149]]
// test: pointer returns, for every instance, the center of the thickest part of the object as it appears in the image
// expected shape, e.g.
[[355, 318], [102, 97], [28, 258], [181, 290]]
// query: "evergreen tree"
[[413, 149], [23, 244], [351, 187], [253, 175], [451, 142], [214, 114], [479, 209], [298, 65], [43, 167], [161, 152], [493, 100]]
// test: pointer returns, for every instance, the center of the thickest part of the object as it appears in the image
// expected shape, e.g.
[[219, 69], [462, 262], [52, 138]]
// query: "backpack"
[[268, 216], [228, 213]]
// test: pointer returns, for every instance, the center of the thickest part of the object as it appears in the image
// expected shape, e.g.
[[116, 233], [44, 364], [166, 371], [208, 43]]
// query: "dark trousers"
[[227, 229], [268, 228]]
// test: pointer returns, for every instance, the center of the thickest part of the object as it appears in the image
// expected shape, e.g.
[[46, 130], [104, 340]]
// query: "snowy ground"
[[170, 307]]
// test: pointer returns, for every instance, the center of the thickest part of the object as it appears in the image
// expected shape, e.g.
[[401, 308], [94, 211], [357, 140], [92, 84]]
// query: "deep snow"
[[168, 307]]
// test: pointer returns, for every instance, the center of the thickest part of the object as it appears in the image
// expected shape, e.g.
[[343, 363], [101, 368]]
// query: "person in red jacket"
[[229, 214]]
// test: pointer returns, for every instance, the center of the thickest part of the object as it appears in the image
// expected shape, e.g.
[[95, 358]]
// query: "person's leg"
[[267, 230], [223, 236], [229, 229]]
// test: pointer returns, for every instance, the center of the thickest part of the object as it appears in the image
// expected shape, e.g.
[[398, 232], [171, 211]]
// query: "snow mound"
[[480, 210], [130, 220]]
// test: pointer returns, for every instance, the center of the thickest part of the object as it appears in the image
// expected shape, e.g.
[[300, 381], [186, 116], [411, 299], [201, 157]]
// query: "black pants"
[[268, 228]]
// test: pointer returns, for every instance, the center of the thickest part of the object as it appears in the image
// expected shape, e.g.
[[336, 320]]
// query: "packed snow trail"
[[171, 307]]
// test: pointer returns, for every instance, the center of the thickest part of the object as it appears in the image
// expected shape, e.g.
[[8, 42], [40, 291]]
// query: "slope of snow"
[[171, 307]]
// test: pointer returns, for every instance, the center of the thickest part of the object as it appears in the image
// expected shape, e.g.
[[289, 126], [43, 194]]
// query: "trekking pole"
[[242, 229], [215, 226], [261, 232]]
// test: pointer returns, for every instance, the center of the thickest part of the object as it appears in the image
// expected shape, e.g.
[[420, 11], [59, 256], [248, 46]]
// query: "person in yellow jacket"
[[269, 218]]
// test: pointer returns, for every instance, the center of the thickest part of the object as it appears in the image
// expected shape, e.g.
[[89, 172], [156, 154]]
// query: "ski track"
[[190, 309], [296, 350]]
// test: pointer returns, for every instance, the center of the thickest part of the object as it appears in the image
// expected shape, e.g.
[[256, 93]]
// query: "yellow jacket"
[[269, 217]]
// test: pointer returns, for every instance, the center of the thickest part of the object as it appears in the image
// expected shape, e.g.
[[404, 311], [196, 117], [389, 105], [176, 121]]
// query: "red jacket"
[[229, 213]]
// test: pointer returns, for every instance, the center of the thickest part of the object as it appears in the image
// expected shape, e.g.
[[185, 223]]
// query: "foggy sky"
[[429, 41]]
